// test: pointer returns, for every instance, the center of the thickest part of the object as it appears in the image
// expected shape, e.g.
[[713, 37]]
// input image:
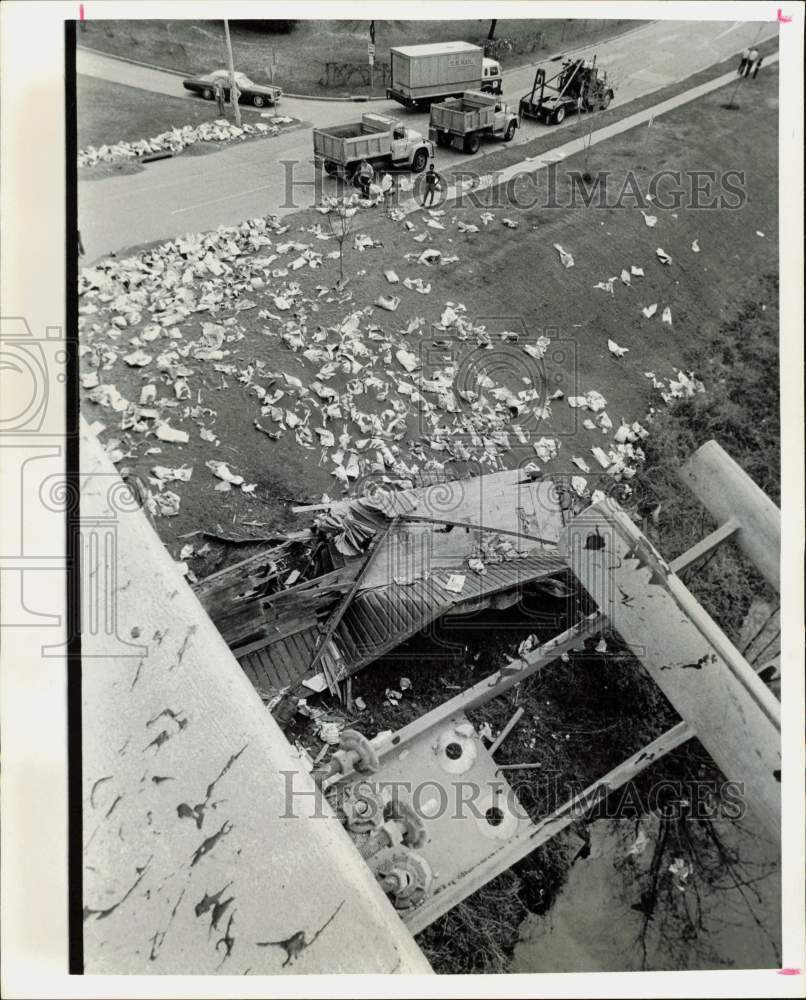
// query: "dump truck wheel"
[[418, 164], [510, 132], [258, 101], [207, 94], [472, 143], [558, 117]]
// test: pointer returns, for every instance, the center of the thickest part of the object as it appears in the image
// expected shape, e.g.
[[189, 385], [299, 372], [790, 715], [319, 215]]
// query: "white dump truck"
[[462, 122], [379, 139], [422, 74]]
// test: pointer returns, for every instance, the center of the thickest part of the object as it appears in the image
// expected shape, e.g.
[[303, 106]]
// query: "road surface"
[[195, 193]]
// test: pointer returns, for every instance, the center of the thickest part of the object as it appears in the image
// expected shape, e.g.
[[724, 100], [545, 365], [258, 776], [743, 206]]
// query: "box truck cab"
[[422, 74], [491, 79]]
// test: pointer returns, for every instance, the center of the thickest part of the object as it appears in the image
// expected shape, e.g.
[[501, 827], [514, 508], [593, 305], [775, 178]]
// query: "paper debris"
[[455, 583], [649, 311], [391, 277], [666, 316], [695, 246], [614, 348], [636, 272], [581, 464], [650, 220], [565, 258], [166, 433], [663, 257], [389, 303], [222, 471]]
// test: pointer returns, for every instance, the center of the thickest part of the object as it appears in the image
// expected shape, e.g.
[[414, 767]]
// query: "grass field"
[[108, 113], [724, 328], [302, 55]]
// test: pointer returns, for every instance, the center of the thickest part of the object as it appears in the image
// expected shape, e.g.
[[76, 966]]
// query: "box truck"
[[425, 73], [379, 139]]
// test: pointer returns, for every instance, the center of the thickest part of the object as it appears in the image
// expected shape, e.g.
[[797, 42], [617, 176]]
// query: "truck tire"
[[419, 161], [207, 94], [509, 135], [258, 100], [559, 116], [472, 143]]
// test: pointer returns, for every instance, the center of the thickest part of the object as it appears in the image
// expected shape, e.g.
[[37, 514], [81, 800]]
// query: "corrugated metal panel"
[[381, 619]]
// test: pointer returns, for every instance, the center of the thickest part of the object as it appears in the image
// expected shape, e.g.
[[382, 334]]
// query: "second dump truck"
[[462, 122], [422, 74], [380, 140]]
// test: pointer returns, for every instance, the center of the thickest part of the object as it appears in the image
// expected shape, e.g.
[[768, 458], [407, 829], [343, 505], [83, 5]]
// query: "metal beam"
[[704, 676], [519, 847], [725, 489], [707, 545]]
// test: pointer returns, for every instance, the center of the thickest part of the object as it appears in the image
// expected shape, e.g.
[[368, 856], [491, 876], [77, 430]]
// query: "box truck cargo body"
[[423, 73]]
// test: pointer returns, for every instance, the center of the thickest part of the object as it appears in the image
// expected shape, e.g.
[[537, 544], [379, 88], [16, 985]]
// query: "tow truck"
[[578, 86]]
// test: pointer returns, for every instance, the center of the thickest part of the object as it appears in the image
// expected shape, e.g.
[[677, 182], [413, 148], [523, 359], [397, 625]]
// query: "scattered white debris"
[[614, 348], [649, 311], [650, 220], [166, 433], [663, 257], [222, 471], [695, 246], [666, 315], [565, 257]]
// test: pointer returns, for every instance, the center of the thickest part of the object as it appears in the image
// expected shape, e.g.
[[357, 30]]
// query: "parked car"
[[257, 94]]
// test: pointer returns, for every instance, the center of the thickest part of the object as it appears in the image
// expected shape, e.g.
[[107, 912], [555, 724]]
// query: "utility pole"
[[371, 55], [231, 66]]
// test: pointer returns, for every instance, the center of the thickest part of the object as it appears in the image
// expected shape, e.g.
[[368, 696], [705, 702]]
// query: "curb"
[[363, 98]]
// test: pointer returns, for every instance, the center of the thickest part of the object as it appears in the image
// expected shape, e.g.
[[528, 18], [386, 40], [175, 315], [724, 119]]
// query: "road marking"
[[727, 31], [216, 201]]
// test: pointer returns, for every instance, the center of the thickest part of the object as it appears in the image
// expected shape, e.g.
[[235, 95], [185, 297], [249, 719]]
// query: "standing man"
[[219, 96], [365, 177], [389, 188], [432, 185], [757, 66], [743, 63], [752, 57]]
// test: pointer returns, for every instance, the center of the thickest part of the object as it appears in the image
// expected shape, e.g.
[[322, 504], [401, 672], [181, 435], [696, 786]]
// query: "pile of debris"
[[176, 139]]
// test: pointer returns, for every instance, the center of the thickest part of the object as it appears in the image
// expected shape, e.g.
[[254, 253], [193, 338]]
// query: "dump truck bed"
[[461, 115], [368, 138]]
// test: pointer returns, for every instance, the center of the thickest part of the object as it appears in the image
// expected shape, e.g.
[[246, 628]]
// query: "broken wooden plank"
[[700, 671], [518, 847], [726, 491]]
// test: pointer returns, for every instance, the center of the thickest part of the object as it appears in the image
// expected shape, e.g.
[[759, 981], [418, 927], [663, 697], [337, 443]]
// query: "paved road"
[[194, 193]]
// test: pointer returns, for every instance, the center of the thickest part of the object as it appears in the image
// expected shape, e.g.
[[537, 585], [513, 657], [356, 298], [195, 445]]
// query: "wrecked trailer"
[[414, 556]]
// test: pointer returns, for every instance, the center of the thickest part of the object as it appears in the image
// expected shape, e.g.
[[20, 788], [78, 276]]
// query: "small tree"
[[339, 213]]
